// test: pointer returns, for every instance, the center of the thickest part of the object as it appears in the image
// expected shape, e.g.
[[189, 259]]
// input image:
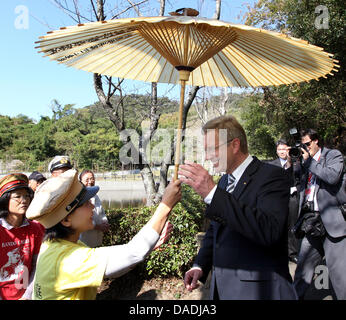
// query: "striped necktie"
[[231, 183]]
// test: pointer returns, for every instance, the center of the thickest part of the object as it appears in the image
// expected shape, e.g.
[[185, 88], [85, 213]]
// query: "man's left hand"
[[197, 177], [305, 154]]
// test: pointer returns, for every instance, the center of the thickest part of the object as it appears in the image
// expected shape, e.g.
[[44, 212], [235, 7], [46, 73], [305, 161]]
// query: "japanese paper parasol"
[[187, 50]]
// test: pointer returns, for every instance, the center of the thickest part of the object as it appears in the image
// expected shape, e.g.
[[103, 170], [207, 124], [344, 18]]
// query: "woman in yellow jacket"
[[66, 268]]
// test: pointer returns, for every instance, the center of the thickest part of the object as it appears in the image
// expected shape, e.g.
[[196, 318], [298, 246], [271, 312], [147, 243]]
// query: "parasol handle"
[[180, 126]]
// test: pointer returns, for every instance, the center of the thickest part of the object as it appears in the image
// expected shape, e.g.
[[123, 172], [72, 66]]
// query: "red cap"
[[13, 181]]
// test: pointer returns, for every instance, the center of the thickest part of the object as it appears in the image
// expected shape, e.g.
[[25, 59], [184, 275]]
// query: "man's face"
[[33, 184], [217, 150], [312, 145], [88, 179], [58, 172], [282, 151]]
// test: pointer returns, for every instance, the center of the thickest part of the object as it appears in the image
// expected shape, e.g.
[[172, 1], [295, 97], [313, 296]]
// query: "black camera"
[[295, 151], [308, 206]]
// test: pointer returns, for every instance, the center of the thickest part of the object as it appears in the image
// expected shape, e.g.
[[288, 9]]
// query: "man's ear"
[[236, 145], [66, 222]]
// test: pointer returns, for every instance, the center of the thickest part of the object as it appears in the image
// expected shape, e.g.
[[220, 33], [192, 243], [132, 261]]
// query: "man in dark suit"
[[245, 245], [322, 192], [292, 168]]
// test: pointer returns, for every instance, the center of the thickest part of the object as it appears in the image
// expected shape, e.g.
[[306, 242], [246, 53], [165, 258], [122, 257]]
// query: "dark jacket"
[[248, 234], [293, 172]]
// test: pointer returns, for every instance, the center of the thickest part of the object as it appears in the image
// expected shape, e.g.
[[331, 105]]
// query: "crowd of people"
[[261, 216]]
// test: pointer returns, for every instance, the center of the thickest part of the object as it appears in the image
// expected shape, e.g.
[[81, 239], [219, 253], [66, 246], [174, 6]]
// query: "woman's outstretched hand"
[[172, 194]]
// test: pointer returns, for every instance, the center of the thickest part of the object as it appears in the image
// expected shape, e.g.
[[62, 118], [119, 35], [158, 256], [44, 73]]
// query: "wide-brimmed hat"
[[59, 162], [57, 197], [12, 182]]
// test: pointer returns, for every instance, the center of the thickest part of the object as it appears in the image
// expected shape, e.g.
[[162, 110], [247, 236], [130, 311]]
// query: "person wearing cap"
[[20, 239], [59, 165], [35, 179], [93, 238], [66, 268]]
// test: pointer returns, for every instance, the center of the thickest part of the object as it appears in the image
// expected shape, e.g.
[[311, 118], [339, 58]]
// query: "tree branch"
[[94, 9], [68, 11], [134, 6], [120, 13]]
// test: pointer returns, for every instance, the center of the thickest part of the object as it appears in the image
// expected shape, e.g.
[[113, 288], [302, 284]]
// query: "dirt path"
[[129, 288]]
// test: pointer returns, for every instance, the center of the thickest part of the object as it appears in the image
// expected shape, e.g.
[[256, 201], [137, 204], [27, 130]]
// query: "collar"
[[317, 155], [237, 173], [8, 226], [282, 161]]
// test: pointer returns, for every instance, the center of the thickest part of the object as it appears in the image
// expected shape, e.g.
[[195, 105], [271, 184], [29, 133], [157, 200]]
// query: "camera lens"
[[294, 152]]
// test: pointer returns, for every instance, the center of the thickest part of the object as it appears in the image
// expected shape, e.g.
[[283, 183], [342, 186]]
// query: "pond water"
[[114, 196], [116, 204]]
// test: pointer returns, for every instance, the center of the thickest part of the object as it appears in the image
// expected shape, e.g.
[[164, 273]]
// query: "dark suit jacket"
[[330, 189], [293, 172], [247, 234]]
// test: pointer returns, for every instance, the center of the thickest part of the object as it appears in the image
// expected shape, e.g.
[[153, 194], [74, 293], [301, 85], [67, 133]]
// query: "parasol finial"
[[185, 12]]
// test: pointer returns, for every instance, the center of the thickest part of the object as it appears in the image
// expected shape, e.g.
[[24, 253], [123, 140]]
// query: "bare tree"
[[107, 87], [202, 107]]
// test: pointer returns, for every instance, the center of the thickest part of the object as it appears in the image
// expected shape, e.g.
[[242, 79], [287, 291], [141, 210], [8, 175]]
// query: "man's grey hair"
[[233, 127]]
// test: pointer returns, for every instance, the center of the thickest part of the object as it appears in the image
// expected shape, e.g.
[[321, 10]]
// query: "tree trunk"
[[162, 7], [169, 158], [149, 185], [217, 10], [223, 101], [100, 10], [116, 117]]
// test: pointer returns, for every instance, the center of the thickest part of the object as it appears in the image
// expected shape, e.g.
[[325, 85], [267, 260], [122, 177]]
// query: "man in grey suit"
[[322, 192], [245, 245]]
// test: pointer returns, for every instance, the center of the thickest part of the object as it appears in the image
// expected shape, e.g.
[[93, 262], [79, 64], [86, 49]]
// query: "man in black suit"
[[245, 245], [292, 168]]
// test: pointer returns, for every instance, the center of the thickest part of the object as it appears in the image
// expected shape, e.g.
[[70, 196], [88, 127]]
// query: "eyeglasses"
[[20, 198], [210, 150], [307, 143]]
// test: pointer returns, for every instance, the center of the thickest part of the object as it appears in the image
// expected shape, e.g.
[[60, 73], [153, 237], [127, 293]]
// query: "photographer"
[[321, 222]]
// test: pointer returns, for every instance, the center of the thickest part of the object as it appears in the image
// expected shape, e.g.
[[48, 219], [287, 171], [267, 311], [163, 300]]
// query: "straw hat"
[[57, 197]]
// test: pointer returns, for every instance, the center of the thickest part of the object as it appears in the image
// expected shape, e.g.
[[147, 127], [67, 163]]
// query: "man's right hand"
[[305, 154], [191, 278]]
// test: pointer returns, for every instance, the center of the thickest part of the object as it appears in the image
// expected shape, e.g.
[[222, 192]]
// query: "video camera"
[[295, 151]]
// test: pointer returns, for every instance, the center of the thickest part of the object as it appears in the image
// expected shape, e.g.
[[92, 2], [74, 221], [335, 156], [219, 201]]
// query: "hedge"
[[175, 256]]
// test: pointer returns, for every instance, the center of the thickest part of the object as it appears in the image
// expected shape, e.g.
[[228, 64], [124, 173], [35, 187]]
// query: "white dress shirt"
[[283, 162], [312, 195], [237, 173]]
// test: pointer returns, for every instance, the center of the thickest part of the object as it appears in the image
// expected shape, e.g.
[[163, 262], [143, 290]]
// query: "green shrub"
[[175, 256]]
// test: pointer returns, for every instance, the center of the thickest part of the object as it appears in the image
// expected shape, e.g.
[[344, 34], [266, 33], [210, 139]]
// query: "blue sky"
[[30, 82]]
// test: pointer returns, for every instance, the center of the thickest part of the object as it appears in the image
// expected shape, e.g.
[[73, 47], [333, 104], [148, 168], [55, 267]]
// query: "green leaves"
[[175, 256]]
